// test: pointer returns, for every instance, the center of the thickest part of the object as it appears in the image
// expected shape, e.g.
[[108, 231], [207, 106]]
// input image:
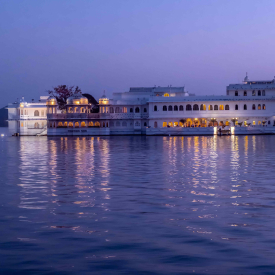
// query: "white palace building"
[[247, 108]]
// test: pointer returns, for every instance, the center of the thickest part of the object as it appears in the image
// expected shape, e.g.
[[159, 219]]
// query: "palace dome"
[[77, 100], [51, 100]]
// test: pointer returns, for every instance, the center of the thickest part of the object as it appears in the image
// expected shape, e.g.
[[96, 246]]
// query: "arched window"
[[188, 107], [259, 107], [70, 110], [253, 107], [236, 107], [236, 93], [71, 124], [203, 107], [124, 124], [263, 93], [170, 108], [245, 93], [164, 124], [117, 123], [145, 110], [117, 110], [155, 124], [176, 108], [164, 108], [195, 107], [76, 124], [131, 110], [103, 124], [253, 93], [227, 107], [145, 124], [111, 109], [210, 108], [91, 124], [221, 107], [65, 124], [216, 108], [36, 125], [137, 110], [259, 93], [170, 124], [181, 108], [83, 124], [59, 124], [245, 107], [166, 95], [155, 108], [76, 109], [263, 106], [97, 124], [107, 124], [36, 113], [82, 110]]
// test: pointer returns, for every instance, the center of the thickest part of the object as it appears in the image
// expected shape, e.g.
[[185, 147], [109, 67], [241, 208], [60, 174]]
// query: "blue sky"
[[113, 45]]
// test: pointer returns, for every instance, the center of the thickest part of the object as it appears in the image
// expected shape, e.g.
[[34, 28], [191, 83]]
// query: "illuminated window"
[[70, 110], [164, 108], [210, 108], [91, 124], [221, 107], [259, 122], [216, 108], [227, 123], [170, 108], [59, 124], [22, 124], [71, 124], [155, 108], [195, 107], [97, 124], [176, 124], [245, 107], [203, 107], [170, 124], [36, 113], [176, 108], [83, 124], [263, 106], [188, 107], [166, 95], [82, 110], [259, 107], [164, 124], [76, 109], [65, 124], [181, 108], [227, 107], [254, 123], [76, 124]]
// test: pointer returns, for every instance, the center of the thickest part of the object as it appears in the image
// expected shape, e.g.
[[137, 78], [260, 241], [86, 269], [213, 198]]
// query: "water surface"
[[137, 205]]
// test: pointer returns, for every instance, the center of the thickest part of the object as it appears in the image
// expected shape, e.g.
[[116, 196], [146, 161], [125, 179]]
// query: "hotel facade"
[[247, 108]]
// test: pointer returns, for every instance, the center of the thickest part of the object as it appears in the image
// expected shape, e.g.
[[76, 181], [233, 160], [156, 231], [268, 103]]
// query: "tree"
[[240, 124], [62, 93]]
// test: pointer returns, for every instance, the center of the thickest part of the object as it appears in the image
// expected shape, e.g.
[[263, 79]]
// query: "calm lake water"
[[137, 205]]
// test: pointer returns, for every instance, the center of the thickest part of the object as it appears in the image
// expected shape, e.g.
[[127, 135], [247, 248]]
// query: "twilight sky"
[[116, 44]]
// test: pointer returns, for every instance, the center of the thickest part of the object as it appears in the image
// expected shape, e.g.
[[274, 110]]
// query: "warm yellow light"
[[21, 105], [77, 102]]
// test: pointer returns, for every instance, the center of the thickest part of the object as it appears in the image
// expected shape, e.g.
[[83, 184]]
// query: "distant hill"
[[4, 117]]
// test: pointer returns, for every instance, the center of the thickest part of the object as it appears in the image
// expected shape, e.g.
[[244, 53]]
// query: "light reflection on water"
[[158, 205]]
